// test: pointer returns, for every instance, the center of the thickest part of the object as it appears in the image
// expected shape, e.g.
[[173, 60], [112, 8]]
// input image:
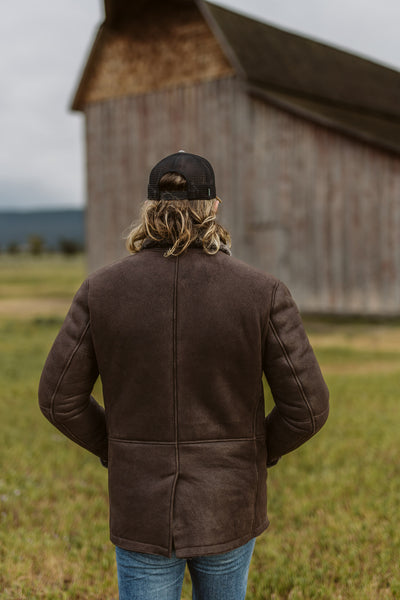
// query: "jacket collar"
[[149, 243]]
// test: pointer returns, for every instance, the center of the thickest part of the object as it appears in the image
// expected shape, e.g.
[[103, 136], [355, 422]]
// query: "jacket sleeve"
[[67, 381], [300, 394]]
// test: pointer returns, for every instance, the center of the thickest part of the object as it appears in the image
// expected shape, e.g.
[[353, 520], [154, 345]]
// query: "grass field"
[[333, 504]]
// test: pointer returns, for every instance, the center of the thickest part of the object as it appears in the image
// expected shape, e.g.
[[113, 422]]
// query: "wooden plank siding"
[[127, 136], [318, 209], [325, 215]]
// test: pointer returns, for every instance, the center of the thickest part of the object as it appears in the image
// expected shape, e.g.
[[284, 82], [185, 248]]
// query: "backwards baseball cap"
[[196, 170]]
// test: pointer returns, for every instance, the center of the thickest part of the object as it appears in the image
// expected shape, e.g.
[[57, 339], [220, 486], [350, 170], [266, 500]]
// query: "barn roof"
[[315, 80], [335, 87]]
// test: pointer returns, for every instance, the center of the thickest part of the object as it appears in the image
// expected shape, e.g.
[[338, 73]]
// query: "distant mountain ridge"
[[51, 225]]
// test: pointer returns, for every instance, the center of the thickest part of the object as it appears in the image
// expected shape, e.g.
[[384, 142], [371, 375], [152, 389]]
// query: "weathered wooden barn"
[[304, 139]]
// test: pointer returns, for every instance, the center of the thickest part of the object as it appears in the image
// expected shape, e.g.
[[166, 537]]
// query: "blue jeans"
[[154, 577]]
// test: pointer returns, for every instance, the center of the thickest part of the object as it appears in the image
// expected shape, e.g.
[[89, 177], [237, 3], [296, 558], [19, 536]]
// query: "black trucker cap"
[[195, 169]]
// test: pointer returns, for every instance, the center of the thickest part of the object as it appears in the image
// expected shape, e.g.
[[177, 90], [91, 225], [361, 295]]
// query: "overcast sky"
[[43, 46]]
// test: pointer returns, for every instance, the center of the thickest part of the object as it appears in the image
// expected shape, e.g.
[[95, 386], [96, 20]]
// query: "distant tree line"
[[36, 246]]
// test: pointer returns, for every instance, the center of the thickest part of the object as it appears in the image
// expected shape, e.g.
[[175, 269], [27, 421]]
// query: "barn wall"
[[317, 209], [325, 214], [127, 136]]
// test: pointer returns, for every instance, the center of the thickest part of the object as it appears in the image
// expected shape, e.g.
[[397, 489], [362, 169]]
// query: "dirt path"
[[33, 307]]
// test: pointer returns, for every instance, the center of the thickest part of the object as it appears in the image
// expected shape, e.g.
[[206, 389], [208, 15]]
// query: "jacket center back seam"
[[175, 398]]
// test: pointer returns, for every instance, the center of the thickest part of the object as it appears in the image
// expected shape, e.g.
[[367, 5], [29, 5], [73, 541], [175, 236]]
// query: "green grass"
[[333, 504], [47, 276]]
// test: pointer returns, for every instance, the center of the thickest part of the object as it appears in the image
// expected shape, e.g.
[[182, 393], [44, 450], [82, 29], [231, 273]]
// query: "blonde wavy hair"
[[178, 223]]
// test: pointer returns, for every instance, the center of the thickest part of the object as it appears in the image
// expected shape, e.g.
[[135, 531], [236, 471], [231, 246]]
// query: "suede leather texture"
[[181, 344]]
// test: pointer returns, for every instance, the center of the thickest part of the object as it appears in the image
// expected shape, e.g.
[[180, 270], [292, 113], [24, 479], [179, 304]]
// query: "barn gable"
[[145, 46]]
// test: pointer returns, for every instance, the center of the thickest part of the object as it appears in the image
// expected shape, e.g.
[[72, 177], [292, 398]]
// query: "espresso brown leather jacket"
[[181, 344]]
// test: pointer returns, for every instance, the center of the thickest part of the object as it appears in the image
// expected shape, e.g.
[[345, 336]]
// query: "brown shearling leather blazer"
[[181, 344]]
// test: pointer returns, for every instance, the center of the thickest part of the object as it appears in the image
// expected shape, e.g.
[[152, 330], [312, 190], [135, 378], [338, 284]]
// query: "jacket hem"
[[134, 546], [189, 551]]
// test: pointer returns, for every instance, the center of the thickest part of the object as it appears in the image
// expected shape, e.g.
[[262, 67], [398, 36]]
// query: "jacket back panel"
[[179, 344]]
